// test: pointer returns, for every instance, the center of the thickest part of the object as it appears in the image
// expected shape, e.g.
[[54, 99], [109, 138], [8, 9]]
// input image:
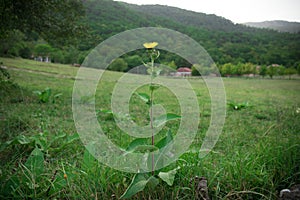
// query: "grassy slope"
[[257, 154]]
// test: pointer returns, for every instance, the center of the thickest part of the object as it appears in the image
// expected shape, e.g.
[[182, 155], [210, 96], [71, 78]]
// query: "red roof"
[[184, 69]]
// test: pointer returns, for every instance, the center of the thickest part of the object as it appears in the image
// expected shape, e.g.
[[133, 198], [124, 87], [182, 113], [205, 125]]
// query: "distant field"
[[257, 155]]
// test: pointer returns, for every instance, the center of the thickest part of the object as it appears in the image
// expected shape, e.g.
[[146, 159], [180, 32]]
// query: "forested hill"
[[186, 17], [225, 41], [279, 25]]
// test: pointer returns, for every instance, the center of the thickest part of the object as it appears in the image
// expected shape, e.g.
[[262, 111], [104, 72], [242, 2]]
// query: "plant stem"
[[151, 110]]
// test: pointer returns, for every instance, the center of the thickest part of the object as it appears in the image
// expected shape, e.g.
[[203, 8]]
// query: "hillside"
[[184, 17], [224, 40], [278, 25]]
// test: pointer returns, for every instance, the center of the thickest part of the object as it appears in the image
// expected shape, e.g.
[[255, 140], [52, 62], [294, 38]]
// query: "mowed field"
[[41, 155]]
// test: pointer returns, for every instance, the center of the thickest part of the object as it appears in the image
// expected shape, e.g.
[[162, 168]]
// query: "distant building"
[[42, 58], [183, 71]]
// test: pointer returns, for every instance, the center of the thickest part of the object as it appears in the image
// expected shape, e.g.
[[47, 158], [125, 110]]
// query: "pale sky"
[[238, 11]]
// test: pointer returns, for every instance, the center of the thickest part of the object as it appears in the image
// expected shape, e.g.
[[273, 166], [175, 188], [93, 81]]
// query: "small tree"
[[290, 72], [263, 71], [118, 64], [271, 71], [195, 71], [173, 65], [133, 61], [280, 70], [43, 50], [226, 69]]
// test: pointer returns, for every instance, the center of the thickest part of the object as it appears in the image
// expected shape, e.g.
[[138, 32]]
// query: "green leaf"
[[165, 118], [165, 140], [152, 182], [154, 86], [57, 95], [138, 184], [20, 139], [69, 139], [72, 138], [145, 148], [57, 137], [35, 163], [37, 92], [106, 111], [169, 176], [88, 159], [45, 96], [145, 97], [137, 142]]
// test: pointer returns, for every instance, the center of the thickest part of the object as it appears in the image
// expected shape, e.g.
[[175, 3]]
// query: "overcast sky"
[[238, 11]]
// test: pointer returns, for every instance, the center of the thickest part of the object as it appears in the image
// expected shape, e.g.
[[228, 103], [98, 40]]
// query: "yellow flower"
[[150, 45], [65, 176]]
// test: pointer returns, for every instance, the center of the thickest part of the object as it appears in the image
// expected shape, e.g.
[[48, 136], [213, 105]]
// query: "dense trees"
[[250, 69], [41, 28], [56, 21]]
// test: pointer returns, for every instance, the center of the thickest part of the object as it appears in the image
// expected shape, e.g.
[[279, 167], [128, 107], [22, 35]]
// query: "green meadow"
[[42, 156]]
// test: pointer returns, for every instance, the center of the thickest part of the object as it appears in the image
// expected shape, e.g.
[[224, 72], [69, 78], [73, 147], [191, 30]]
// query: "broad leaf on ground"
[[138, 184], [169, 176]]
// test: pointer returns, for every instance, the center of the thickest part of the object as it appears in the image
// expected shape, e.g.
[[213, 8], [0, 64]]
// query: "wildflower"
[[150, 45], [65, 176]]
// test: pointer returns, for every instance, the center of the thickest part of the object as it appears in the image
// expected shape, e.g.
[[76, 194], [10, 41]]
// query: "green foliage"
[[198, 70], [11, 43], [140, 180], [272, 71], [195, 72], [4, 75], [162, 119], [43, 50], [165, 140], [172, 65], [144, 97], [55, 21], [225, 41], [118, 64], [138, 184], [263, 71], [227, 69], [290, 72], [133, 61], [45, 95], [169, 176], [35, 165], [40, 141]]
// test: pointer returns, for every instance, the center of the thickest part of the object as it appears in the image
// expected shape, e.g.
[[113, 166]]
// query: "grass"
[[257, 155]]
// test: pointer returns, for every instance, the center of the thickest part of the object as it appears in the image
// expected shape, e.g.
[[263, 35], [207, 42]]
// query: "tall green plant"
[[151, 179]]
